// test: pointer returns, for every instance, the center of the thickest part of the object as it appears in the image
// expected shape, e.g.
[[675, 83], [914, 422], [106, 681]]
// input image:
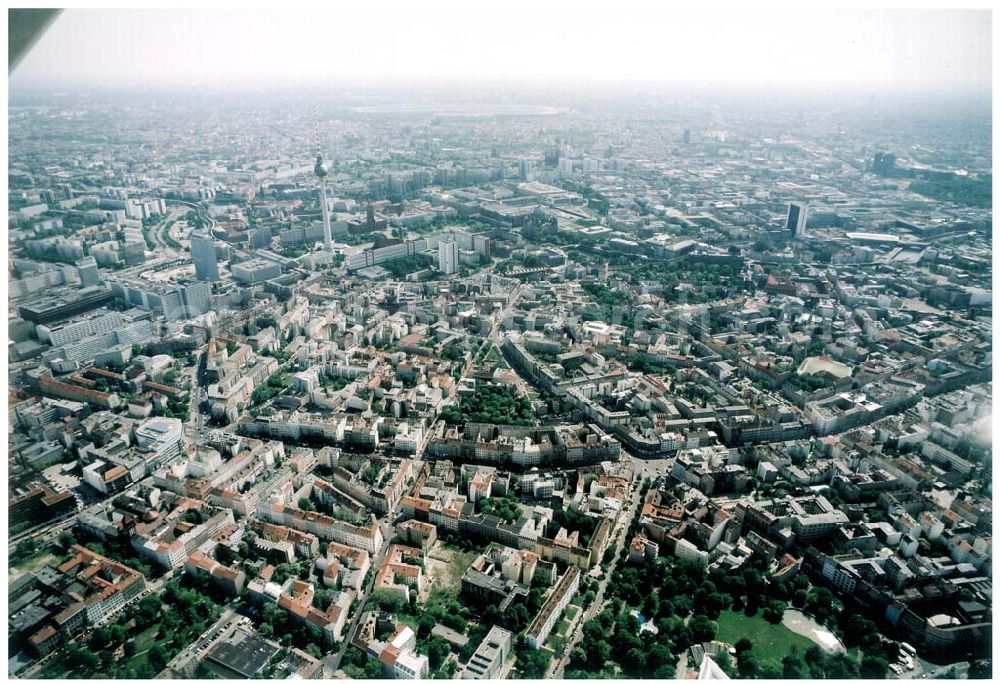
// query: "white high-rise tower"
[[321, 171]]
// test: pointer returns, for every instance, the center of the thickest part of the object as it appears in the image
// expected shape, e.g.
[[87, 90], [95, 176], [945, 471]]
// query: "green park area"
[[493, 355], [972, 192], [149, 634], [491, 403]]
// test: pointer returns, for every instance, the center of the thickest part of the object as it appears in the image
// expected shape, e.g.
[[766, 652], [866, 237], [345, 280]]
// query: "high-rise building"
[[883, 163], [197, 299], [206, 264], [796, 222], [90, 275], [448, 257], [135, 252], [174, 302], [261, 238]]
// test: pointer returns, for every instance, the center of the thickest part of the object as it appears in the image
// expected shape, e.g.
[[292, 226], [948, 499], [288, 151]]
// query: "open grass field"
[[771, 643], [145, 639]]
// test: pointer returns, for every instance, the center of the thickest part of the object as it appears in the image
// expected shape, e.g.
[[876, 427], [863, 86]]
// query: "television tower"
[[320, 170]]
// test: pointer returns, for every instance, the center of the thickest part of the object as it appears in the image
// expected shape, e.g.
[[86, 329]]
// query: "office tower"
[[796, 222], [90, 275], [206, 264], [260, 238], [448, 257], [321, 171], [135, 252], [687, 136], [196, 298]]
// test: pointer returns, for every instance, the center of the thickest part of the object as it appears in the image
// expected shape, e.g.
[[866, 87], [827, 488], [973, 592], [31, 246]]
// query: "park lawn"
[[567, 619], [558, 637], [138, 660], [145, 639], [555, 643], [771, 643]]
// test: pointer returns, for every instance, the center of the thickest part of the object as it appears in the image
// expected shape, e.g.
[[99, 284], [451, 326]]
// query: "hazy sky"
[[520, 40]]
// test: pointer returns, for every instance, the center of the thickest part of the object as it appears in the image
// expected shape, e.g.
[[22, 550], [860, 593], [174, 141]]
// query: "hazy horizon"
[[516, 44]]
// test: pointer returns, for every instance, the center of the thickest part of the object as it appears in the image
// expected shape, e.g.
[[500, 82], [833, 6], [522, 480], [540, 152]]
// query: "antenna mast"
[[321, 171]]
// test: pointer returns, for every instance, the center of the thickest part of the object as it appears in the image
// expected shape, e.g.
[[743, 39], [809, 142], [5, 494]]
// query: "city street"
[[557, 667], [332, 662]]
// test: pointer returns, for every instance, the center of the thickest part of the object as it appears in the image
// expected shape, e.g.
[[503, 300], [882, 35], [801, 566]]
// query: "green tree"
[[437, 650], [26, 548], [651, 604], [774, 611], [531, 663], [702, 629], [873, 666], [66, 539], [747, 665], [80, 659], [791, 665], [387, 600], [799, 598], [635, 661], [821, 603], [713, 604], [373, 670], [157, 657], [725, 663]]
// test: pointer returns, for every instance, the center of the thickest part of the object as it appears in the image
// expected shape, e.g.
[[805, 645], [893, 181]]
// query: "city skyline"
[[909, 50], [544, 341]]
